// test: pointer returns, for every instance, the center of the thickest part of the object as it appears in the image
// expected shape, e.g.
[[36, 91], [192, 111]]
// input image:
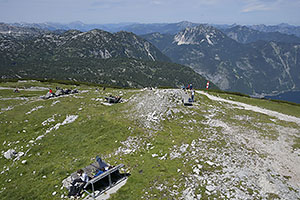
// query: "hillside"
[[76, 44], [224, 146], [255, 68], [121, 72], [120, 59]]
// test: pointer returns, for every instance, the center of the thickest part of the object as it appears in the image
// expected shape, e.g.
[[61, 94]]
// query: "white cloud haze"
[[152, 11]]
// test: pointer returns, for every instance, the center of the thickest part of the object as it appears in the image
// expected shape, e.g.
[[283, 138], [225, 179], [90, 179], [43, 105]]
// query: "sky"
[[243, 12]]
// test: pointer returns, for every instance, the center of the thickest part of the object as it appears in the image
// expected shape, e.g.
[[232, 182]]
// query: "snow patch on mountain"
[[208, 40]]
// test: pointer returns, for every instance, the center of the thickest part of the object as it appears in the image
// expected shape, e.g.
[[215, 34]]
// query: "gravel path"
[[278, 115]]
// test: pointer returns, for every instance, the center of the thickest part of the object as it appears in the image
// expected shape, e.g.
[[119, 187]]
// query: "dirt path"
[[278, 115]]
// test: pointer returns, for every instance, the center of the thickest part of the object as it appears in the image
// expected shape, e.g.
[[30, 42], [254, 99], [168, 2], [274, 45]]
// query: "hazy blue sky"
[[152, 11]]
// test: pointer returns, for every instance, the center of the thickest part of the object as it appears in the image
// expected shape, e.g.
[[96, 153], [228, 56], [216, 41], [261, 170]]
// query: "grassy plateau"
[[211, 150]]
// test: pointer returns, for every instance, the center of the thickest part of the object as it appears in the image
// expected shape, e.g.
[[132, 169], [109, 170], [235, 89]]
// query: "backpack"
[[74, 190]]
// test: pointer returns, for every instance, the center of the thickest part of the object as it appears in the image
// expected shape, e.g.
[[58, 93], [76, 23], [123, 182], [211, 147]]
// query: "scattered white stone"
[[127, 151], [24, 161], [40, 137], [210, 188], [9, 154], [47, 121], [44, 176], [34, 109], [55, 102], [106, 104], [154, 155], [54, 193], [164, 157], [210, 163], [6, 109], [69, 119], [196, 170]]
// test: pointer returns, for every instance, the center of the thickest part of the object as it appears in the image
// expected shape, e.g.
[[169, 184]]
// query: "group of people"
[[87, 176], [78, 183], [58, 92], [190, 91], [113, 99]]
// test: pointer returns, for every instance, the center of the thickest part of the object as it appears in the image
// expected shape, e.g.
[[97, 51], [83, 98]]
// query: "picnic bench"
[[109, 178]]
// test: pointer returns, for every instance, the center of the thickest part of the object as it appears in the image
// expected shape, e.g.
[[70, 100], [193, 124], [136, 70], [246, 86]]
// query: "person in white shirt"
[[75, 190], [83, 177]]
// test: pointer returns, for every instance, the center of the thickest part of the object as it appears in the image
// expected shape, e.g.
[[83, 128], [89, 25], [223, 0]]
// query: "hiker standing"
[[193, 94]]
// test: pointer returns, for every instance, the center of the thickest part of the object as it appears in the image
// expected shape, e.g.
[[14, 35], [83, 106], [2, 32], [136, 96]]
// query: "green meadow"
[[63, 134]]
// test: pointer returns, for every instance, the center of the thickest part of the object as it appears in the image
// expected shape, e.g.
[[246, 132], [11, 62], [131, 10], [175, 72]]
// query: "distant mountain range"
[[243, 62], [121, 59], [141, 29], [136, 28], [244, 34], [281, 28], [235, 58]]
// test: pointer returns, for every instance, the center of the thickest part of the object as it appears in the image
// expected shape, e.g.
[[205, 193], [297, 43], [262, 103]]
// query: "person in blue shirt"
[[100, 171]]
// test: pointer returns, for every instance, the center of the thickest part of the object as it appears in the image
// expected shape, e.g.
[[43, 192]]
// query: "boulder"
[[9, 154]]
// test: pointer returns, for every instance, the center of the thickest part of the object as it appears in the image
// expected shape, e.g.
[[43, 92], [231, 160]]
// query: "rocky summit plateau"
[[224, 146]]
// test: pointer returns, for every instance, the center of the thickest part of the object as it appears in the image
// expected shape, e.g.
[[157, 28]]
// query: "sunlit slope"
[[214, 149]]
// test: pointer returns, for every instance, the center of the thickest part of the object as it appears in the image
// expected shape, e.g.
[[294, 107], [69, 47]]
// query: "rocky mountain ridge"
[[244, 34], [257, 68], [17, 31], [95, 43], [121, 59], [163, 28], [281, 28], [136, 28]]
